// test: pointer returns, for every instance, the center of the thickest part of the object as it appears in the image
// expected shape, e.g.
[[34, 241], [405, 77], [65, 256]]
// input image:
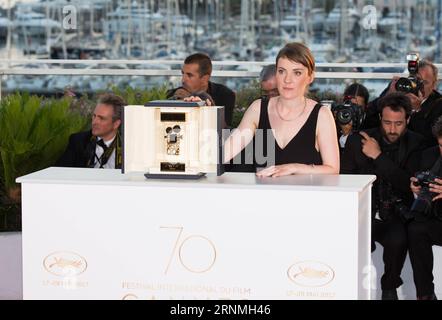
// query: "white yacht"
[[134, 19], [31, 23], [291, 23], [391, 21], [28, 83], [333, 20]]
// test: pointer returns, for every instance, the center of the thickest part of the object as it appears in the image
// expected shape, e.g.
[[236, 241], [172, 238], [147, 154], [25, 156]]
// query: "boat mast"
[[129, 31], [438, 56], [343, 26], [8, 39]]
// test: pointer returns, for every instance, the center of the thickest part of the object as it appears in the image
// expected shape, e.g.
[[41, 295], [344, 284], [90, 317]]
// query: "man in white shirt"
[[99, 147]]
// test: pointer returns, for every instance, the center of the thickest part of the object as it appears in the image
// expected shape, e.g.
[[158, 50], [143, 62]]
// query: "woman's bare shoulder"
[[255, 106], [251, 115], [325, 113]]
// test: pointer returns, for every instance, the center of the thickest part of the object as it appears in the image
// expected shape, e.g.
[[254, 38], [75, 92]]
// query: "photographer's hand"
[[392, 87], [416, 101], [414, 189], [370, 147], [436, 188]]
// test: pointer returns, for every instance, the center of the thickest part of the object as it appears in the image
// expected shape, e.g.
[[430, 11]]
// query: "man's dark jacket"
[[429, 158], [222, 96], [355, 162], [79, 150], [422, 122]]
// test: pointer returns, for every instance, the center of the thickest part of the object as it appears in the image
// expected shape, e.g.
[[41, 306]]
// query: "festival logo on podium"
[[311, 274], [65, 264]]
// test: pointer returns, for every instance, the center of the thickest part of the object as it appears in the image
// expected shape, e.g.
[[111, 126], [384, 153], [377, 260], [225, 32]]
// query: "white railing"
[[173, 68]]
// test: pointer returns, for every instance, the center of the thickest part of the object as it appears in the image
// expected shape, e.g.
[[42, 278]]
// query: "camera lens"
[[168, 130], [344, 116], [405, 85], [176, 129]]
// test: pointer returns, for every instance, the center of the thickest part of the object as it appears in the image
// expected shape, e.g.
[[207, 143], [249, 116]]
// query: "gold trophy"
[[172, 139]]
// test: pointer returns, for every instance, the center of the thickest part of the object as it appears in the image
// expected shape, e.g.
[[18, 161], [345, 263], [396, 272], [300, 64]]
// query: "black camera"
[[349, 112], [424, 179], [391, 207], [412, 84], [422, 206]]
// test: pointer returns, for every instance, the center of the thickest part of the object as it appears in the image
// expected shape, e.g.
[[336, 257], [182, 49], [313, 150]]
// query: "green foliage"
[[244, 98], [140, 97], [33, 134], [84, 105], [324, 95]]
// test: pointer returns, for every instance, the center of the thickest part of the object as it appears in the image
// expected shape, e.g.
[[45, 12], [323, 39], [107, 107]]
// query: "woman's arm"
[[327, 142], [242, 135], [328, 147]]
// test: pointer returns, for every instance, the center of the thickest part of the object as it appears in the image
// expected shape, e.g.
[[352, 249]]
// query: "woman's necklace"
[[280, 117]]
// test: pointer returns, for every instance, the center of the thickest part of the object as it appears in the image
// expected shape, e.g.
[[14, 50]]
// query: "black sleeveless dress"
[[301, 149]]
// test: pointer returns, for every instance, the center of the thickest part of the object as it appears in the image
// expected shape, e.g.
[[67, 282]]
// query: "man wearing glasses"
[[267, 79], [428, 105]]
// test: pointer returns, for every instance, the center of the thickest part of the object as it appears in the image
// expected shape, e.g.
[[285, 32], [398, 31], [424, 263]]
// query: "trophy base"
[[189, 176]]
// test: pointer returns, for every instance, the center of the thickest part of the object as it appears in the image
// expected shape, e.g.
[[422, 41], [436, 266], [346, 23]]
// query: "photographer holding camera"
[[391, 152], [426, 101], [426, 228], [350, 115]]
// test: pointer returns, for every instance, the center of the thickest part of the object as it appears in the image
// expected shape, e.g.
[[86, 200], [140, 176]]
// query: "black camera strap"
[[93, 158], [430, 108], [436, 168]]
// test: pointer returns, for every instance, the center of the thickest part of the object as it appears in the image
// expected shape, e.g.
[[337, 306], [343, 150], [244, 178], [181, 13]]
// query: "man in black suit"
[[427, 105], [426, 229], [391, 152], [101, 146], [196, 73]]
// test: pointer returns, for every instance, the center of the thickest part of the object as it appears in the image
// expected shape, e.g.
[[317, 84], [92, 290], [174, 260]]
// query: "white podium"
[[99, 234]]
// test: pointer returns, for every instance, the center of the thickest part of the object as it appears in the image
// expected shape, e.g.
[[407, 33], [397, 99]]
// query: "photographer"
[[391, 152], [426, 231], [426, 102], [350, 115]]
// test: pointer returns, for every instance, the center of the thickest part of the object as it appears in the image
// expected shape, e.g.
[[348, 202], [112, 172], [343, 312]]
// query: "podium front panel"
[[117, 237]]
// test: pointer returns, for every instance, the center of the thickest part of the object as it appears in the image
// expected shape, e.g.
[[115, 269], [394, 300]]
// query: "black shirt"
[[222, 96], [301, 149], [391, 150], [422, 122]]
